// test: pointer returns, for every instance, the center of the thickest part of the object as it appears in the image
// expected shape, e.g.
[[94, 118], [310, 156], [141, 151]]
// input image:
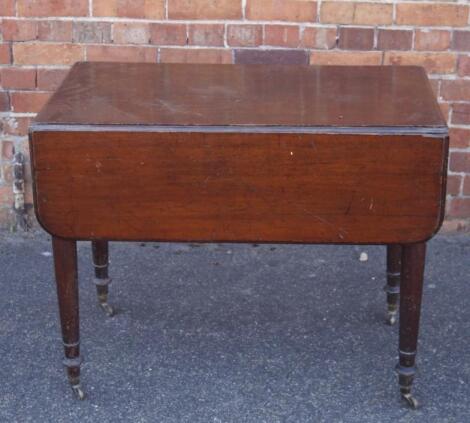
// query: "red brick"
[[356, 38], [50, 79], [463, 65], [131, 33], [168, 34], [282, 35], [431, 14], [52, 7], [4, 101], [345, 58], [373, 14], [455, 90], [432, 40], [47, 53], [28, 195], [459, 162], [121, 53], [185, 55], [445, 109], [28, 101], [466, 185], [318, 38], [7, 7], [432, 62], [453, 226], [148, 9], [19, 30], [461, 113], [204, 9], [244, 35], [6, 194], [277, 56], [5, 54], [206, 34], [461, 41], [91, 32], [18, 78], [337, 12], [459, 138], [104, 8], [435, 86], [8, 149], [7, 170], [340, 12], [453, 184], [281, 10], [16, 125], [394, 39], [459, 207], [51, 30]]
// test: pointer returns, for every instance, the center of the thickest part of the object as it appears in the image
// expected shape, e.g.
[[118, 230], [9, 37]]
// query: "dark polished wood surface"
[[244, 95], [231, 187], [102, 147], [241, 153]]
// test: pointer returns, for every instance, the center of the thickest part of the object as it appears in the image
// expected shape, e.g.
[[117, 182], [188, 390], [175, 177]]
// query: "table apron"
[[239, 187]]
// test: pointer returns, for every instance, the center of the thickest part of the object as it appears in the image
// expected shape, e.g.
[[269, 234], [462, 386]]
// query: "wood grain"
[[305, 188], [244, 95]]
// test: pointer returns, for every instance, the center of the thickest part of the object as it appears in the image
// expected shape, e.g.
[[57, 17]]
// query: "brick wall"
[[40, 39]]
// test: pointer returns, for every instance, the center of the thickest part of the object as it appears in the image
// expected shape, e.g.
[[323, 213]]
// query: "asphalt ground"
[[232, 333]]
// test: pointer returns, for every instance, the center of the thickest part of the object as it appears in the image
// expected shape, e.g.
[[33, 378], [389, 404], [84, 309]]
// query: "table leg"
[[411, 288], [392, 288], [102, 281], [66, 275]]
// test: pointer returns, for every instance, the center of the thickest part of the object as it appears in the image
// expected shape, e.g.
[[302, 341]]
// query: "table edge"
[[429, 131]]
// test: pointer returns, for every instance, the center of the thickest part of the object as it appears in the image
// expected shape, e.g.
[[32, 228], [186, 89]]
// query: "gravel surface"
[[232, 333]]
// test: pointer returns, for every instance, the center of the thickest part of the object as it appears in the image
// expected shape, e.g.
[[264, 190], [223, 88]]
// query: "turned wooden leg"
[[392, 288], [65, 266], [411, 288], [102, 281]]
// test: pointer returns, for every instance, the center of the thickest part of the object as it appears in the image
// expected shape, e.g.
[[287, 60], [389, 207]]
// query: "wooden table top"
[[254, 153], [263, 98]]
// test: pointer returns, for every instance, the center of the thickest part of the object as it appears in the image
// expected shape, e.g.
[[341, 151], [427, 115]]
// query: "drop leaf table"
[[241, 153]]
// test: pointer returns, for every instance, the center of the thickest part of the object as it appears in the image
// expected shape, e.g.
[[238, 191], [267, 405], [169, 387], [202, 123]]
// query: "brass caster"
[[78, 392], [391, 318], [392, 314], [411, 400], [109, 310]]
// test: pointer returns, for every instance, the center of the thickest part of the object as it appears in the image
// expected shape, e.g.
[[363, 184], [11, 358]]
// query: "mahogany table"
[[235, 153]]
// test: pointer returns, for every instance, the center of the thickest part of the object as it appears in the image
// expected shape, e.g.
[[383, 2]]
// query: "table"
[[241, 153]]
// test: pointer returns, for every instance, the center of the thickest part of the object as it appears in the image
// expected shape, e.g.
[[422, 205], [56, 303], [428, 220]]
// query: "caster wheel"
[[78, 392], [109, 310], [391, 318], [412, 401]]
